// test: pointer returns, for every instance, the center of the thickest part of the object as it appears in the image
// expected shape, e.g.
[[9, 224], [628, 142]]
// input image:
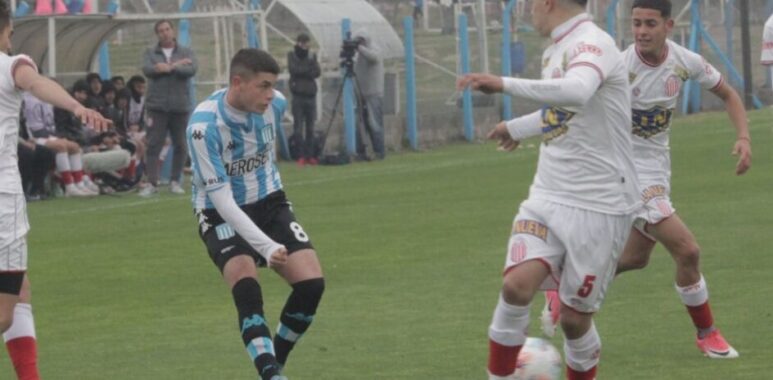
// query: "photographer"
[[304, 70], [369, 69]]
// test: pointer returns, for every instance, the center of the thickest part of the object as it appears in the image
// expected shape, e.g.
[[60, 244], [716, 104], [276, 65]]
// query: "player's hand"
[[505, 142], [92, 118], [485, 83], [278, 258], [184, 61], [743, 149]]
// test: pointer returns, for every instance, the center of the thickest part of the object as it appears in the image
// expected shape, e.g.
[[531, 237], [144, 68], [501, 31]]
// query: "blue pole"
[[349, 120], [611, 19], [22, 9], [692, 92], [507, 103], [410, 84], [734, 74], [464, 50], [252, 33], [104, 50]]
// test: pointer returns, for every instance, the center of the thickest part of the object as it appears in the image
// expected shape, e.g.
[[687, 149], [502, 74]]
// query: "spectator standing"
[[169, 68], [304, 70], [369, 69]]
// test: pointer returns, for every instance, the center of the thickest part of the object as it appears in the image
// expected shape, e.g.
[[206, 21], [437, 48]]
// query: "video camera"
[[348, 50]]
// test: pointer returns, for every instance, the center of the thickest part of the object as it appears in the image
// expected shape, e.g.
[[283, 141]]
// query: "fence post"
[[464, 51], [410, 84], [507, 103]]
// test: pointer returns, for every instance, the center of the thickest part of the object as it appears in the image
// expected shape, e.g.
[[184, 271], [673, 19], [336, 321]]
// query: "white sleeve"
[[575, 89], [766, 56], [703, 72], [226, 206], [525, 126]]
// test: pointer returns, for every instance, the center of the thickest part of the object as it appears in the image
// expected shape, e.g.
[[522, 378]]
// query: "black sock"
[[255, 333], [297, 315]]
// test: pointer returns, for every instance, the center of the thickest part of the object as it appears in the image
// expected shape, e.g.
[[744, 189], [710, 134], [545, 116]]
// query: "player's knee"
[[573, 323], [688, 255], [517, 292], [6, 321], [638, 262], [310, 289]]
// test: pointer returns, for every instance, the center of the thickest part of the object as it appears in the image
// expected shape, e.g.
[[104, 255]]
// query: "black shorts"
[[273, 215]]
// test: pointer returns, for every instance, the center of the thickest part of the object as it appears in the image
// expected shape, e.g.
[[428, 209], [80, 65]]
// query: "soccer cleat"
[[74, 191], [495, 377], [278, 377], [715, 346], [301, 162], [550, 313], [175, 188]]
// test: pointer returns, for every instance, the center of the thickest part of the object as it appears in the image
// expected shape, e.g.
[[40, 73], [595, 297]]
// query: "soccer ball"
[[538, 360]]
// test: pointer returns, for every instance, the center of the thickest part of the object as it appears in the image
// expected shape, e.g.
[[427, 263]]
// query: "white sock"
[[509, 324], [76, 162], [582, 354], [23, 323], [694, 295], [62, 162]]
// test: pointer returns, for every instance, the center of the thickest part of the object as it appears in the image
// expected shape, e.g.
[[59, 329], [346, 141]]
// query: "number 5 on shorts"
[[587, 286]]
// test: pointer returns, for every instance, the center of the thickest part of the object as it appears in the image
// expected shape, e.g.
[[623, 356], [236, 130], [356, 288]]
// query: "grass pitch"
[[412, 248]]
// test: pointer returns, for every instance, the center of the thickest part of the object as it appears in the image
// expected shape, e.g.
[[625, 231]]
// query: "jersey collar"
[[663, 57], [568, 26], [226, 111]]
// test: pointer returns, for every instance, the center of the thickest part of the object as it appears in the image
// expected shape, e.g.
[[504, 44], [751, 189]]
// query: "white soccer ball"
[[538, 360]]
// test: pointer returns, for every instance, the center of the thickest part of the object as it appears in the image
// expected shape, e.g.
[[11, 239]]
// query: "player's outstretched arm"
[[51, 92], [735, 109]]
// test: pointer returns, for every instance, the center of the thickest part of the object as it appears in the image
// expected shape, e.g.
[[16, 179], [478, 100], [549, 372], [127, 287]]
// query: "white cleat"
[[550, 313], [175, 188]]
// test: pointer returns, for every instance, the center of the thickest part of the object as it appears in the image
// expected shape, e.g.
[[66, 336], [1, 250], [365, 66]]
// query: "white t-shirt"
[[10, 107], [654, 93], [168, 54], [767, 43], [586, 156]]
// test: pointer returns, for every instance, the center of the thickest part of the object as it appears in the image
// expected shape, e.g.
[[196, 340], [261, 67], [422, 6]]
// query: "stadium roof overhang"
[[323, 20], [68, 44]]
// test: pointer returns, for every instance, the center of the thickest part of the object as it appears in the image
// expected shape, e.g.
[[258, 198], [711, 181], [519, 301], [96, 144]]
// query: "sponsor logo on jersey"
[[583, 47], [248, 164], [556, 73], [531, 227], [554, 121], [673, 84], [197, 135], [653, 191], [231, 145], [648, 123], [631, 77]]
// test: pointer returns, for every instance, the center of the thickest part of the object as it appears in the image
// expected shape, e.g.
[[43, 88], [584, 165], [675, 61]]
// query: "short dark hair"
[[664, 6], [162, 22], [80, 85], [581, 3], [5, 15], [117, 78], [93, 76], [303, 37], [252, 61]]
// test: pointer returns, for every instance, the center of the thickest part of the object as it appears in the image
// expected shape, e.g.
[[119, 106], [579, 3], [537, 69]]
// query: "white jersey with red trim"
[[766, 57], [586, 155], [10, 107], [654, 93]]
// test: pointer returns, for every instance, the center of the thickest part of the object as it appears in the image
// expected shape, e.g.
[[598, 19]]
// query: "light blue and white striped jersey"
[[228, 146]]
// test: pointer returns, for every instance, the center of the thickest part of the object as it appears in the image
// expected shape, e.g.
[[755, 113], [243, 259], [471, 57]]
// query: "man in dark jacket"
[[169, 68], [304, 70]]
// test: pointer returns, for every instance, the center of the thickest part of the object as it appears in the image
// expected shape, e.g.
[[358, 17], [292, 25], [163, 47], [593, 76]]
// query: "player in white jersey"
[[571, 230], [19, 74], [658, 68], [244, 217], [766, 57]]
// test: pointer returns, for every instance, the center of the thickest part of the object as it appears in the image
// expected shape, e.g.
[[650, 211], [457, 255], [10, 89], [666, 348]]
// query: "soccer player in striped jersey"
[[18, 74], [244, 218], [658, 68]]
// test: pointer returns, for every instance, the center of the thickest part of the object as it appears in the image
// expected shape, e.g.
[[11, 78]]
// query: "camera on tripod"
[[348, 50]]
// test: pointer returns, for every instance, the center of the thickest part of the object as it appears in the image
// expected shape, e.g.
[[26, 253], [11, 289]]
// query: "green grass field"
[[412, 249]]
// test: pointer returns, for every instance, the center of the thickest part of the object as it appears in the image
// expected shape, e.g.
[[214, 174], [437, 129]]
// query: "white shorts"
[[44, 140], [657, 206], [13, 231], [579, 247]]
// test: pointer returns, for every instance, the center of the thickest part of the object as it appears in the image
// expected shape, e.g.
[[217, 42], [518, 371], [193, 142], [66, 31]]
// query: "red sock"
[[66, 177], [501, 359], [572, 374], [24, 355], [77, 176], [131, 171], [701, 316]]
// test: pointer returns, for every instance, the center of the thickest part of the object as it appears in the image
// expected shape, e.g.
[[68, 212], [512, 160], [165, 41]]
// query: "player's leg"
[[297, 110], [241, 276], [156, 134], [691, 286], [20, 337], [177, 125], [507, 332], [637, 251], [304, 274], [582, 344]]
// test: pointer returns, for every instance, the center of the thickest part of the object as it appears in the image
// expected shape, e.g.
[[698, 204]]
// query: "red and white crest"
[[673, 84], [636, 91], [518, 251], [556, 73]]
